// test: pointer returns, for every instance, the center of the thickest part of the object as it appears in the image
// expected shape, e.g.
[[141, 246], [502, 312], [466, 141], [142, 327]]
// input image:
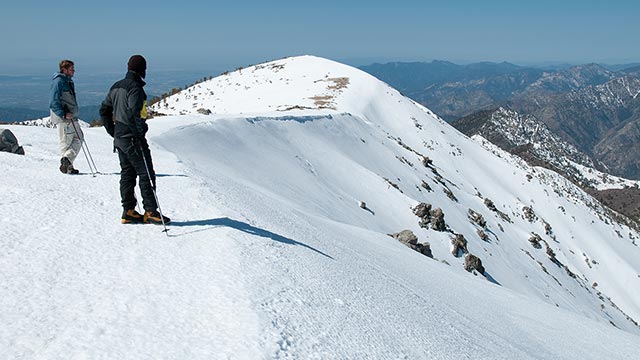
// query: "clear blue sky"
[[226, 34]]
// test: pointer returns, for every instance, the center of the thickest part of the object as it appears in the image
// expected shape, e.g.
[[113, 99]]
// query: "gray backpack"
[[9, 143]]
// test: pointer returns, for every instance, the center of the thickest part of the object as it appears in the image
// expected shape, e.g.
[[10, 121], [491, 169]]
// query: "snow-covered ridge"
[[604, 181], [523, 130], [526, 130], [263, 88], [46, 122], [292, 85], [615, 92], [384, 138], [42, 122]]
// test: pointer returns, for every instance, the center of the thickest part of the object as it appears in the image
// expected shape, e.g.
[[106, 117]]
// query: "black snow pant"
[[132, 164]]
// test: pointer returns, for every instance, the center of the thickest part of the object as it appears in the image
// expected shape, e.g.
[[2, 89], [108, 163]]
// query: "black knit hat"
[[138, 64]]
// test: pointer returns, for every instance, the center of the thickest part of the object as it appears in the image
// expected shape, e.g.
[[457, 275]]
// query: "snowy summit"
[[317, 213]]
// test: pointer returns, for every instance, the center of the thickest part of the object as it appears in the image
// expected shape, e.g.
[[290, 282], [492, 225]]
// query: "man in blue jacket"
[[123, 113], [64, 113]]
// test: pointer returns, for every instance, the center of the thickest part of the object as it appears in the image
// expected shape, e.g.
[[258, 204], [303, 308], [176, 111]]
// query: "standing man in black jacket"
[[123, 113]]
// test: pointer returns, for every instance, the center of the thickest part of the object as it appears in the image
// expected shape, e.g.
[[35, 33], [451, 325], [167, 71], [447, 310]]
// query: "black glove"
[[139, 142], [141, 127], [109, 126]]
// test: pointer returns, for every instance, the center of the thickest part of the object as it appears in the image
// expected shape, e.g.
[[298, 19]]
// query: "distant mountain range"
[[592, 107]]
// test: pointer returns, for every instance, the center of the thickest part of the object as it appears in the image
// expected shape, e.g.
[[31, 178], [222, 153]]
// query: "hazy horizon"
[[202, 35], [43, 68], [186, 41]]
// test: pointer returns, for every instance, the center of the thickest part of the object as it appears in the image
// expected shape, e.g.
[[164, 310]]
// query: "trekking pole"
[[153, 188], [83, 145], [84, 141]]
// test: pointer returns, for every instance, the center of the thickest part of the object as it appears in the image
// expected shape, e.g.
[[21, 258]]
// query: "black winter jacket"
[[120, 110]]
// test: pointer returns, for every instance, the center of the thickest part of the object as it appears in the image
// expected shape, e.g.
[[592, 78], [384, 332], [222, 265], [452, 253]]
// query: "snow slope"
[[269, 254], [365, 130]]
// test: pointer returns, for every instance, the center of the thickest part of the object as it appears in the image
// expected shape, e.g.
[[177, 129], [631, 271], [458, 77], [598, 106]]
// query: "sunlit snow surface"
[[270, 256]]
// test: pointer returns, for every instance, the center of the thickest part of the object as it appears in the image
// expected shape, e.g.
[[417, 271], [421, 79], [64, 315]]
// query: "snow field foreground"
[[245, 273], [77, 284]]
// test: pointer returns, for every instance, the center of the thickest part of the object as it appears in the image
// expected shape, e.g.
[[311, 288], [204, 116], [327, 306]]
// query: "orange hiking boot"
[[132, 217], [154, 217]]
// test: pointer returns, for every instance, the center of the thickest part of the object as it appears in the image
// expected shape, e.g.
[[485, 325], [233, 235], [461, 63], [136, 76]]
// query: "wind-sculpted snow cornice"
[[300, 119]]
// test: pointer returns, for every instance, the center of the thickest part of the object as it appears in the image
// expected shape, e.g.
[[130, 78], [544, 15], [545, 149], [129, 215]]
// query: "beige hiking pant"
[[71, 136]]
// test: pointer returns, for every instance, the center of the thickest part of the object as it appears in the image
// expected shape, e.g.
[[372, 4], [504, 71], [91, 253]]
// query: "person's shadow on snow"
[[242, 226]]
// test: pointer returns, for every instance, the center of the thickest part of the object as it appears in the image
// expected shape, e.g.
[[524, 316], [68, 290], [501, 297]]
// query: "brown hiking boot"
[[154, 217], [67, 168], [64, 165], [72, 171], [131, 217]]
